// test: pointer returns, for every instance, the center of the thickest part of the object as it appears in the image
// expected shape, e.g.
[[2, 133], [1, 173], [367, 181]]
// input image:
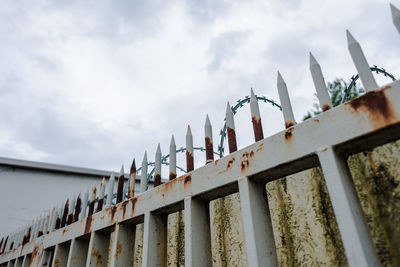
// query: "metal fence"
[[78, 234]]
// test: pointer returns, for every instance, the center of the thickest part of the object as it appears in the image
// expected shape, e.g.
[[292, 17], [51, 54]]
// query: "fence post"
[[197, 233], [353, 228], [260, 243], [154, 240], [123, 245]]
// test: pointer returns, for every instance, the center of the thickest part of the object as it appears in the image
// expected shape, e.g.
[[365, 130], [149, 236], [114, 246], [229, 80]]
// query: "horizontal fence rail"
[[77, 233]]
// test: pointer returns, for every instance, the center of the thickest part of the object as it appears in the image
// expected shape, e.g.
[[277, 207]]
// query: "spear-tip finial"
[[189, 131], [313, 61], [133, 167], [172, 143], [280, 79], [252, 95], [350, 38]]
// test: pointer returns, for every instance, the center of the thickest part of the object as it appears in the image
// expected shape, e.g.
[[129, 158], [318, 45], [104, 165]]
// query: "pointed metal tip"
[[280, 79], [158, 148], [207, 120], [252, 95], [313, 61], [172, 143], [395, 11], [228, 107], [121, 172], [188, 132], [350, 38], [145, 156]]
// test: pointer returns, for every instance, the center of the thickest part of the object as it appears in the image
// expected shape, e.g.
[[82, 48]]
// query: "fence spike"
[[84, 204], [172, 159], [40, 228], [285, 102], [189, 150], [319, 83], [71, 212], [120, 189], [361, 63], [132, 180], [100, 202], [77, 208], [65, 214], [110, 190], [395, 16], [208, 141], [255, 117], [54, 219], [230, 129], [157, 167], [92, 200], [143, 178]]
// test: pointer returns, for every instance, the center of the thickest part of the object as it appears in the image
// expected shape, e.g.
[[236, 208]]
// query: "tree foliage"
[[336, 92]]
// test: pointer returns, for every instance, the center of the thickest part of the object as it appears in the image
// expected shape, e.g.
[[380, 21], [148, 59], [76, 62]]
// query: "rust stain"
[[316, 120], [326, 107], [123, 205], [260, 147], [189, 161], [119, 249], [88, 224], [100, 204], [209, 150], [97, 257], [289, 134], [188, 180], [245, 163], [157, 179], [133, 201], [77, 208], [113, 210], [35, 253], [65, 214], [91, 208], [230, 162], [231, 139], [375, 103], [120, 189], [289, 124], [172, 175], [58, 223], [251, 154], [257, 128]]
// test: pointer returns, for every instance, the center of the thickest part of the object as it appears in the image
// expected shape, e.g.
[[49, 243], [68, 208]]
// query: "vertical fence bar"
[[71, 212], [65, 214], [77, 253], [84, 204], [361, 63], [189, 150], [230, 129], [172, 159], [61, 254], [98, 249], [285, 102], [154, 240], [395, 16], [27, 260], [143, 178], [197, 233], [255, 117], [102, 189], [77, 208], [132, 180], [259, 237], [120, 187], [157, 167], [122, 246], [356, 238], [92, 201], [208, 141], [319, 84]]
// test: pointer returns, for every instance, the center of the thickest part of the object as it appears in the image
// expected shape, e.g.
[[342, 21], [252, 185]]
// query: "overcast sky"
[[96, 83]]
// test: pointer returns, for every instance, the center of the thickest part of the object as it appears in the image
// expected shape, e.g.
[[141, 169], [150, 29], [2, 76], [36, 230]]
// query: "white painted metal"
[[78, 252], [197, 233], [157, 164], [172, 156], [260, 243], [110, 188], [230, 122], [27, 260], [319, 83], [285, 101], [98, 249], [189, 140], [353, 228], [85, 200], [143, 178], [123, 245], [254, 108], [395, 16], [60, 258], [154, 240], [361, 63]]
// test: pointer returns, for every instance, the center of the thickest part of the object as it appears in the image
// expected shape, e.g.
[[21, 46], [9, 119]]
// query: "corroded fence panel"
[[85, 232]]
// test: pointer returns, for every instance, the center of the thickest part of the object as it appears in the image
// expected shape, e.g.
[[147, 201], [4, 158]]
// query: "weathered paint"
[[132, 180], [120, 188], [255, 117]]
